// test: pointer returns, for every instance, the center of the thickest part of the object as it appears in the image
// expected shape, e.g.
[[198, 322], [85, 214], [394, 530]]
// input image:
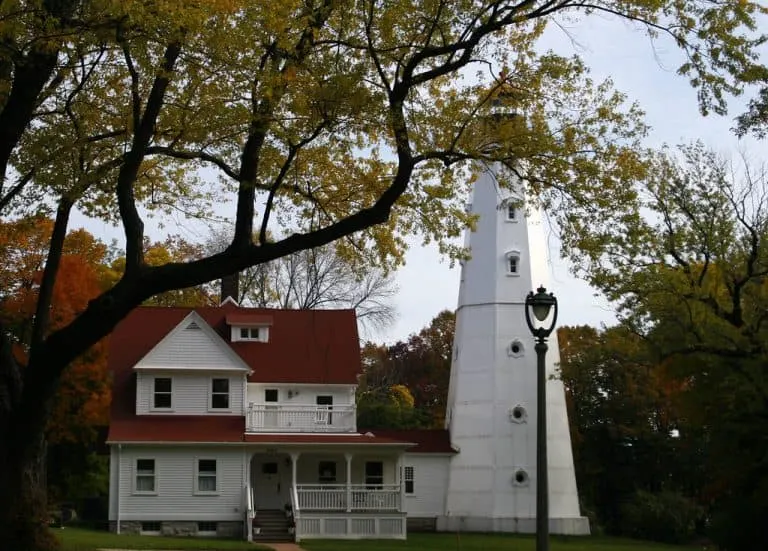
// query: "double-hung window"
[[145, 476], [161, 398], [206, 479], [327, 472], [408, 479], [220, 394]]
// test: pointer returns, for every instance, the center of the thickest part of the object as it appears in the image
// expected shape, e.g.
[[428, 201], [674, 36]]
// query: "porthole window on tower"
[[520, 478], [513, 263], [518, 414], [516, 349]]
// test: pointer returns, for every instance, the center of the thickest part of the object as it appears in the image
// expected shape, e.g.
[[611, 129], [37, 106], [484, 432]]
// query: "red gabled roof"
[[426, 440], [305, 346]]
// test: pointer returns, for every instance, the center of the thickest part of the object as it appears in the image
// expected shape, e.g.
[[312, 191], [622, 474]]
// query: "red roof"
[[305, 346], [242, 318], [223, 428], [426, 440], [177, 428]]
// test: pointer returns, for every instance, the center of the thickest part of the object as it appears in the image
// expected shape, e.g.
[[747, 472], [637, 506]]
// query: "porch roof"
[[177, 428], [426, 440]]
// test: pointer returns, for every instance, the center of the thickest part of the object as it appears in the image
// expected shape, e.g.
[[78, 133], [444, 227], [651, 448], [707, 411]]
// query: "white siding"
[[192, 348], [430, 479], [301, 395], [191, 392], [175, 469]]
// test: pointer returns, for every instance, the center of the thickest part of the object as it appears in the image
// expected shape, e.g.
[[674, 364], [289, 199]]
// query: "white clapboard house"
[[240, 422], [233, 421]]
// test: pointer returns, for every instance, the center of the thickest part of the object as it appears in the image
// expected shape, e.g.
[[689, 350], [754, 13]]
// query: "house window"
[[162, 393], [220, 393], [150, 528], [327, 472], [374, 474], [270, 395], [207, 528], [511, 213], [269, 468], [145, 476], [258, 334], [206, 475], [408, 478]]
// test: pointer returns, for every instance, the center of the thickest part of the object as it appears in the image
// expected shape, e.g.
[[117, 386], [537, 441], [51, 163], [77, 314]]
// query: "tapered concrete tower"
[[491, 411]]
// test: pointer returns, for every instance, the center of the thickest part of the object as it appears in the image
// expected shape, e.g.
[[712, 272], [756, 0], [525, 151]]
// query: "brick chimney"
[[230, 288]]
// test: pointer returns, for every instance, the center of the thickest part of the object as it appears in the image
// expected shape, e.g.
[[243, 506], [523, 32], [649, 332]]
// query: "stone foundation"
[[179, 528], [576, 526], [421, 524], [224, 529], [230, 530], [126, 526]]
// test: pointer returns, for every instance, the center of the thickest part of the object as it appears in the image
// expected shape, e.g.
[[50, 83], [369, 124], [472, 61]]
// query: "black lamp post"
[[539, 305]]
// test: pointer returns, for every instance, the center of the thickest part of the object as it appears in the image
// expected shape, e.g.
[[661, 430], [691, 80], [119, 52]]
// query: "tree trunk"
[[23, 505], [23, 499]]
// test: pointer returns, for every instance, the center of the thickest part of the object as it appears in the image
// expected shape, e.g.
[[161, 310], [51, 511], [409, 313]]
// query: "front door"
[[270, 407], [324, 412], [270, 481]]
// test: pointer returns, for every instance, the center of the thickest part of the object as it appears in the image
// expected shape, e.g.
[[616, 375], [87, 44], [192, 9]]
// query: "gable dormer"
[[191, 371], [249, 327]]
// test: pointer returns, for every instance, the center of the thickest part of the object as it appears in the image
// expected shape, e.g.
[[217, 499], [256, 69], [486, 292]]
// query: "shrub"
[[667, 517]]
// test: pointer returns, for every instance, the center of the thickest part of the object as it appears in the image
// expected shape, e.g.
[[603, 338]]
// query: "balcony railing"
[[294, 418], [361, 497]]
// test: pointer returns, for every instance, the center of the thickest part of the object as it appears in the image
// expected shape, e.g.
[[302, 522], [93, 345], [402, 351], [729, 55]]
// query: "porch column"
[[401, 476], [294, 461], [348, 457]]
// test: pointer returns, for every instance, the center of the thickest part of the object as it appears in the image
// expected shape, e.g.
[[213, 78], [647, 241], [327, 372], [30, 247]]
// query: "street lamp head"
[[540, 305]]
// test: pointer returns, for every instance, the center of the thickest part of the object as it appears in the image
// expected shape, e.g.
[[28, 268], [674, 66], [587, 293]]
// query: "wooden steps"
[[274, 526]]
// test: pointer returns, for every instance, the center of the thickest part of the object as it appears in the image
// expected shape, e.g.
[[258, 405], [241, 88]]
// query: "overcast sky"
[[646, 72]]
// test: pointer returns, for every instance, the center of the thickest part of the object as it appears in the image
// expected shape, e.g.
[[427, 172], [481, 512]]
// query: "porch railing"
[[362, 497], [299, 418]]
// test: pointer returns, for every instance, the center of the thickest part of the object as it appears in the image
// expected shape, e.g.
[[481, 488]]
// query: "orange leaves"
[[82, 402]]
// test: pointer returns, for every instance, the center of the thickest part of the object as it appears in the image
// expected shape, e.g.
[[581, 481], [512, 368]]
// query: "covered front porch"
[[329, 493]]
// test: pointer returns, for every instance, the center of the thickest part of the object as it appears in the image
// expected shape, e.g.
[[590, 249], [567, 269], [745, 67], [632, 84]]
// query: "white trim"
[[194, 317], [516, 212], [262, 335], [135, 475], [509, 255], [212, 409], [412, 480], [196, 482], [153, 392], [117, 489]]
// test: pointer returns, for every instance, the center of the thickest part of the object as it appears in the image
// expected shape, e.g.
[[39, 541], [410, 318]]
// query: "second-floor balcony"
[[299, 418]]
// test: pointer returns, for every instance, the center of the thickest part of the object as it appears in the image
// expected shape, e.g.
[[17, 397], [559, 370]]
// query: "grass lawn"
[[77, 539], [487, 542]]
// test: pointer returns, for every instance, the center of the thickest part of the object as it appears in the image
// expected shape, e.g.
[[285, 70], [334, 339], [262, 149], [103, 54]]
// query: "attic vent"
[[193, 326]]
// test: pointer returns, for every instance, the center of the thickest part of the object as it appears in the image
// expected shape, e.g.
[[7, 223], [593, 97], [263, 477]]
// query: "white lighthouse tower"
[[491, 410]]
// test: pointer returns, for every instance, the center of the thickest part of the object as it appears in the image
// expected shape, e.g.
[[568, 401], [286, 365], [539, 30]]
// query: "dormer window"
[[253, 334], [249, 327], [513, 263]]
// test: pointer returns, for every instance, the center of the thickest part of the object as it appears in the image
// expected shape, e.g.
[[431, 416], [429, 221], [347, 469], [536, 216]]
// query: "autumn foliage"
[[82, 403]]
